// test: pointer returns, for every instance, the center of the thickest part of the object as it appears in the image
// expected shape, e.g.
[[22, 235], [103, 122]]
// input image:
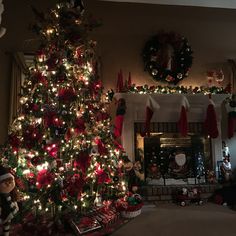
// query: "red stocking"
[[118, 125], [210, 123], [120, 112], [183, 123], [151, 106], [149, 114]]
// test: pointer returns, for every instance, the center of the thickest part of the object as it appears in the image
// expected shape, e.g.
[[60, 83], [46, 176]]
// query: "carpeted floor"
[[172, 220]]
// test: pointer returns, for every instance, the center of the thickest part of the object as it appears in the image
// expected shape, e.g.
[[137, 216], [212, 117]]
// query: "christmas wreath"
[[167, 57]]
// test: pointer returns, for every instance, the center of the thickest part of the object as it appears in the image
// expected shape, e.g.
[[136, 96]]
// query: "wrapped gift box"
[[84, 224]]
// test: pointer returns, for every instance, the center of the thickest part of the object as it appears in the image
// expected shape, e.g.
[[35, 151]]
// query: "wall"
[[17, 18], [125, 29]]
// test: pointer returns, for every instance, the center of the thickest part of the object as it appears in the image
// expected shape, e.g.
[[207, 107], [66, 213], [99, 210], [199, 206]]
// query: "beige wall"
[[126, 27], [124, 31]]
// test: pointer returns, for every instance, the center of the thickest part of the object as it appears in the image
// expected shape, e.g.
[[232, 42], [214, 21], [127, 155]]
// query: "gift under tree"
[[61, 145]]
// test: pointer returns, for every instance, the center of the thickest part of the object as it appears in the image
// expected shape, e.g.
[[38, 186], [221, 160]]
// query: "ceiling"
[[230, 4]]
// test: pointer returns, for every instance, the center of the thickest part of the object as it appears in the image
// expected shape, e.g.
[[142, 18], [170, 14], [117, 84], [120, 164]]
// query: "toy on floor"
[[186, 197]]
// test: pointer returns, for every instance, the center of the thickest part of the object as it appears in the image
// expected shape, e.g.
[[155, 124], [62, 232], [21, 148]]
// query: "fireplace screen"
[[167, 158]]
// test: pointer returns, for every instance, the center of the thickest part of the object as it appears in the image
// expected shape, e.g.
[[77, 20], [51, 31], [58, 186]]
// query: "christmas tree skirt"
[[50, 228]]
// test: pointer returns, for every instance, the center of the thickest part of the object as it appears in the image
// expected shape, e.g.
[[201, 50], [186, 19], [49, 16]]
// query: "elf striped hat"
[[5, 173]]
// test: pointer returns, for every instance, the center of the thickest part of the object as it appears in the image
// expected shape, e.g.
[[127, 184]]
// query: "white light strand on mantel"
[[2, 29]]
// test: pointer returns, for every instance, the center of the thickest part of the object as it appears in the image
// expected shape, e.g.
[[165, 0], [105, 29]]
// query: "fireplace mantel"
[[170, 105]]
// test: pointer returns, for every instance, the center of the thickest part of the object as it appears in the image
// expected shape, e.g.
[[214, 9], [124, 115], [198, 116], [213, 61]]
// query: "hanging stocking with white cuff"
[[210, 124], [183, 121], [151, 106]]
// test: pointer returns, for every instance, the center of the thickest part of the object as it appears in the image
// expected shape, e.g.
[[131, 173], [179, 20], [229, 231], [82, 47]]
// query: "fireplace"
[[168, 158], [165, 144]]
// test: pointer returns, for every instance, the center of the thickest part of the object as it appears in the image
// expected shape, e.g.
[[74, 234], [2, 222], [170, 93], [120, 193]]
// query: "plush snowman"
[[8, 204]]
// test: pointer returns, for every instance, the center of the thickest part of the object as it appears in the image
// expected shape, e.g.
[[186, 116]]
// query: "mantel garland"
[[146, 89], [167, 57]]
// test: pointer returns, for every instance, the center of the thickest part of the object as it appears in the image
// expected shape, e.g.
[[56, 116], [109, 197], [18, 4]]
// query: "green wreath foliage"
[[167, 57]]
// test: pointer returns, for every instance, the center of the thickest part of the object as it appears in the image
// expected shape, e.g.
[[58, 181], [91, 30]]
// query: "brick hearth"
[[154, 193]]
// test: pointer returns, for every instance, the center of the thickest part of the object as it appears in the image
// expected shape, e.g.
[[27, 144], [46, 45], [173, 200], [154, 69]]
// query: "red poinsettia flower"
[[44, 178], [82, 162], [102, 176], [66, 95]]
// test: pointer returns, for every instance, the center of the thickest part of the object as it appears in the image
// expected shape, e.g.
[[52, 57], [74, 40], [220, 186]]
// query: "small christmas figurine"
[[225, 168], [195, 196], [8, 197], [185, 196], [134, 175]]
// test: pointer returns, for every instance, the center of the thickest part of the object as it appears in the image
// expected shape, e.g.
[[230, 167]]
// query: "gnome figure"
[[8, 204]]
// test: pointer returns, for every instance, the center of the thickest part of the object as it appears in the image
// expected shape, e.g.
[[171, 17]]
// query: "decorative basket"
[[131, 214]]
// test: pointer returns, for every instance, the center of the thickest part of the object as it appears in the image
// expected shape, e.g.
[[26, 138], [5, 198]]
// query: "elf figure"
[[8, 204]]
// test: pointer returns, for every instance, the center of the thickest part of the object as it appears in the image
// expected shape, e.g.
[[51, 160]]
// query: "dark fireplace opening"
[[168, 158]]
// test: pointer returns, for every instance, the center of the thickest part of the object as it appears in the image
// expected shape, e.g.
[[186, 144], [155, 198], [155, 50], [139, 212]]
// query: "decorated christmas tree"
[[60, 146]]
